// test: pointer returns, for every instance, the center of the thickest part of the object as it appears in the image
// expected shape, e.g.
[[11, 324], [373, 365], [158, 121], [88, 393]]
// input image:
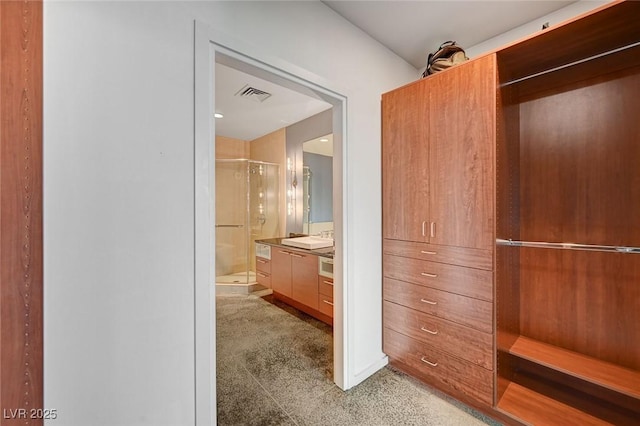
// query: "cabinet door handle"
[[429, 331], [327, 282], [424, 226], [428, 301], [427, 252], [327, 302], [296, 255], [284, 252], [260, 274], [432, 230], [433, 364], [261, 261], [426, 274]]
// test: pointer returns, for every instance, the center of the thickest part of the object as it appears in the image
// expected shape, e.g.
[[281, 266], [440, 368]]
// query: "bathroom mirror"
[[317, 185]]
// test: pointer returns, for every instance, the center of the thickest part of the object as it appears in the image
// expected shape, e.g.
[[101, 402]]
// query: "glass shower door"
[[232, 225]]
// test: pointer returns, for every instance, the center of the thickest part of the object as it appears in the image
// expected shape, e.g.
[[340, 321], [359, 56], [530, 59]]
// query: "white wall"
[[119, 184], [554, 18]]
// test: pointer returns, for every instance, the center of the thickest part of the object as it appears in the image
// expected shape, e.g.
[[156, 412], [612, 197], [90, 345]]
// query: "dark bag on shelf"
[[447, 55]]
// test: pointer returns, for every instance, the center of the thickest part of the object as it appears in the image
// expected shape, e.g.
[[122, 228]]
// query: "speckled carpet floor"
[[274, 367]]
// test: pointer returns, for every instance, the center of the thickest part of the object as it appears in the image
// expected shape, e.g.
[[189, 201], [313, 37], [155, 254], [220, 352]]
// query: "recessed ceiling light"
[[218, 115], [324, 140]]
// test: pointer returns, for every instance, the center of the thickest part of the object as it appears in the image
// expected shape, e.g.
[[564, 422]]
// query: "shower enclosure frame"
[[233, 282]]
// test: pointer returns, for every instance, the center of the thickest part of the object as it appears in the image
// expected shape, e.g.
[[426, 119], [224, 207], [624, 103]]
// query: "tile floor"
[[274, 367]]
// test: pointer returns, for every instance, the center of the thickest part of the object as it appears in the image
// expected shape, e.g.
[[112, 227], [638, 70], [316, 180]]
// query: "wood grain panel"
[[595, 32], [325, 286], [611, 376], [450, 373], [21, 283], [463, 310], [538, 409], [405, 162], [581, 182], [263, 265], [263, 279], [304, 279], [325, 304], [466, 343], [469, 282], [587, 302], [463, 256], [281, 271], [462, 114]]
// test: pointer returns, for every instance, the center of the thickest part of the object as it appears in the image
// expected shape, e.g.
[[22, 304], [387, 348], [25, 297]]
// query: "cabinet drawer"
[[325, 286], [443, 371], [463, 342], [470, 282], [263, 265], [263, 279], [325, 304], [463, 256], [464, 310]]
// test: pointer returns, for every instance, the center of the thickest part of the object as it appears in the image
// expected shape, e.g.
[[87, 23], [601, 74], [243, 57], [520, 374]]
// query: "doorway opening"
[[210, 51]]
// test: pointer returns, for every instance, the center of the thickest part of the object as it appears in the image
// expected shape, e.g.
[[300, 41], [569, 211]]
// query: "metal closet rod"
[[568, 246]]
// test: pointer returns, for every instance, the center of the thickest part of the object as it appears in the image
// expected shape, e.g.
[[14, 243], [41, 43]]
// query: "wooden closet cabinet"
[[438, 142], [438, 158], [511, 233]]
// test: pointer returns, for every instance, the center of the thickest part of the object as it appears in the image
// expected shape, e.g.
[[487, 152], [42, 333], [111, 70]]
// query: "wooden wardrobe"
[[511, 225]]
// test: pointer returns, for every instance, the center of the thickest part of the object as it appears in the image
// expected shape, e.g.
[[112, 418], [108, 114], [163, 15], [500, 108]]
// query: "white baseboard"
[[368, 372]]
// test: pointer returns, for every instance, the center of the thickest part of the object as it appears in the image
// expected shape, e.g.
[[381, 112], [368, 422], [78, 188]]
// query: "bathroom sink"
[[310, 243]]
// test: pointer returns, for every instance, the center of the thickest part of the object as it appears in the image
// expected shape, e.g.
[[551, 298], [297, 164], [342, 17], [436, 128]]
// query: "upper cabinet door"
[[405, 164], [462, 112]]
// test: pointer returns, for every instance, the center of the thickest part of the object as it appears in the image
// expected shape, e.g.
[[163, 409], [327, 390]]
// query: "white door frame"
[[211, 46]]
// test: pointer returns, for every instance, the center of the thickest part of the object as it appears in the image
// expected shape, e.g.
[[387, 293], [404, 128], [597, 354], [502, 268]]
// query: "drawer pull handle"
[[427, 252], [296, 255], [327, 282], [433, 364], [426, 274], [262, 275], [262, 261], [428, 331], [284, 252], [327, 302], [429, 302]]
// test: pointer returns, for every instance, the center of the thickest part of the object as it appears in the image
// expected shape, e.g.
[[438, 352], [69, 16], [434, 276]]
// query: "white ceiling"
[[411, 29], [247, 119]]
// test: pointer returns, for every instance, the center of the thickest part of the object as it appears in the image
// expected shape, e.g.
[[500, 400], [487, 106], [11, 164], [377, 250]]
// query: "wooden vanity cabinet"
[[281, 271], [294, 278], [263, 271], [325, 295]]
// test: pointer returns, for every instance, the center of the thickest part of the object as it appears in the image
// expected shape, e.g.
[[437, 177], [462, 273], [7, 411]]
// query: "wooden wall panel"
[[21, 212]]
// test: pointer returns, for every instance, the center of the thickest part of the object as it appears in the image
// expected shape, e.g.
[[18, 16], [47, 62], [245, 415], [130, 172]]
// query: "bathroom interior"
[[273, 174]]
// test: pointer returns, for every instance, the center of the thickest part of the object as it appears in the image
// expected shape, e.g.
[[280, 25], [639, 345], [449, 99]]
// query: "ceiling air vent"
[[253, 93]]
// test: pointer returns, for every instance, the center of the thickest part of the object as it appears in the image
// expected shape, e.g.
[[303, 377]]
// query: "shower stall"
[[247, 209]]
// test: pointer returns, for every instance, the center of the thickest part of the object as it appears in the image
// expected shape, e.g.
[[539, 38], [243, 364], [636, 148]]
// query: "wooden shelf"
[[539, 410], [601, 373]]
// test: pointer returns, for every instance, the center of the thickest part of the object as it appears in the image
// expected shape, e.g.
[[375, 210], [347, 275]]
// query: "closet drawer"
[[263, 279], [463, 310], [263, 265], [470, 282], [463, 342], [439, 369], [463, 256], [325, 304], [325, 286]]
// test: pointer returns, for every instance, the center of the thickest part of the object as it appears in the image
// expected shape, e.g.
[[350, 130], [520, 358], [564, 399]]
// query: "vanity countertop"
[[325, 252]]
